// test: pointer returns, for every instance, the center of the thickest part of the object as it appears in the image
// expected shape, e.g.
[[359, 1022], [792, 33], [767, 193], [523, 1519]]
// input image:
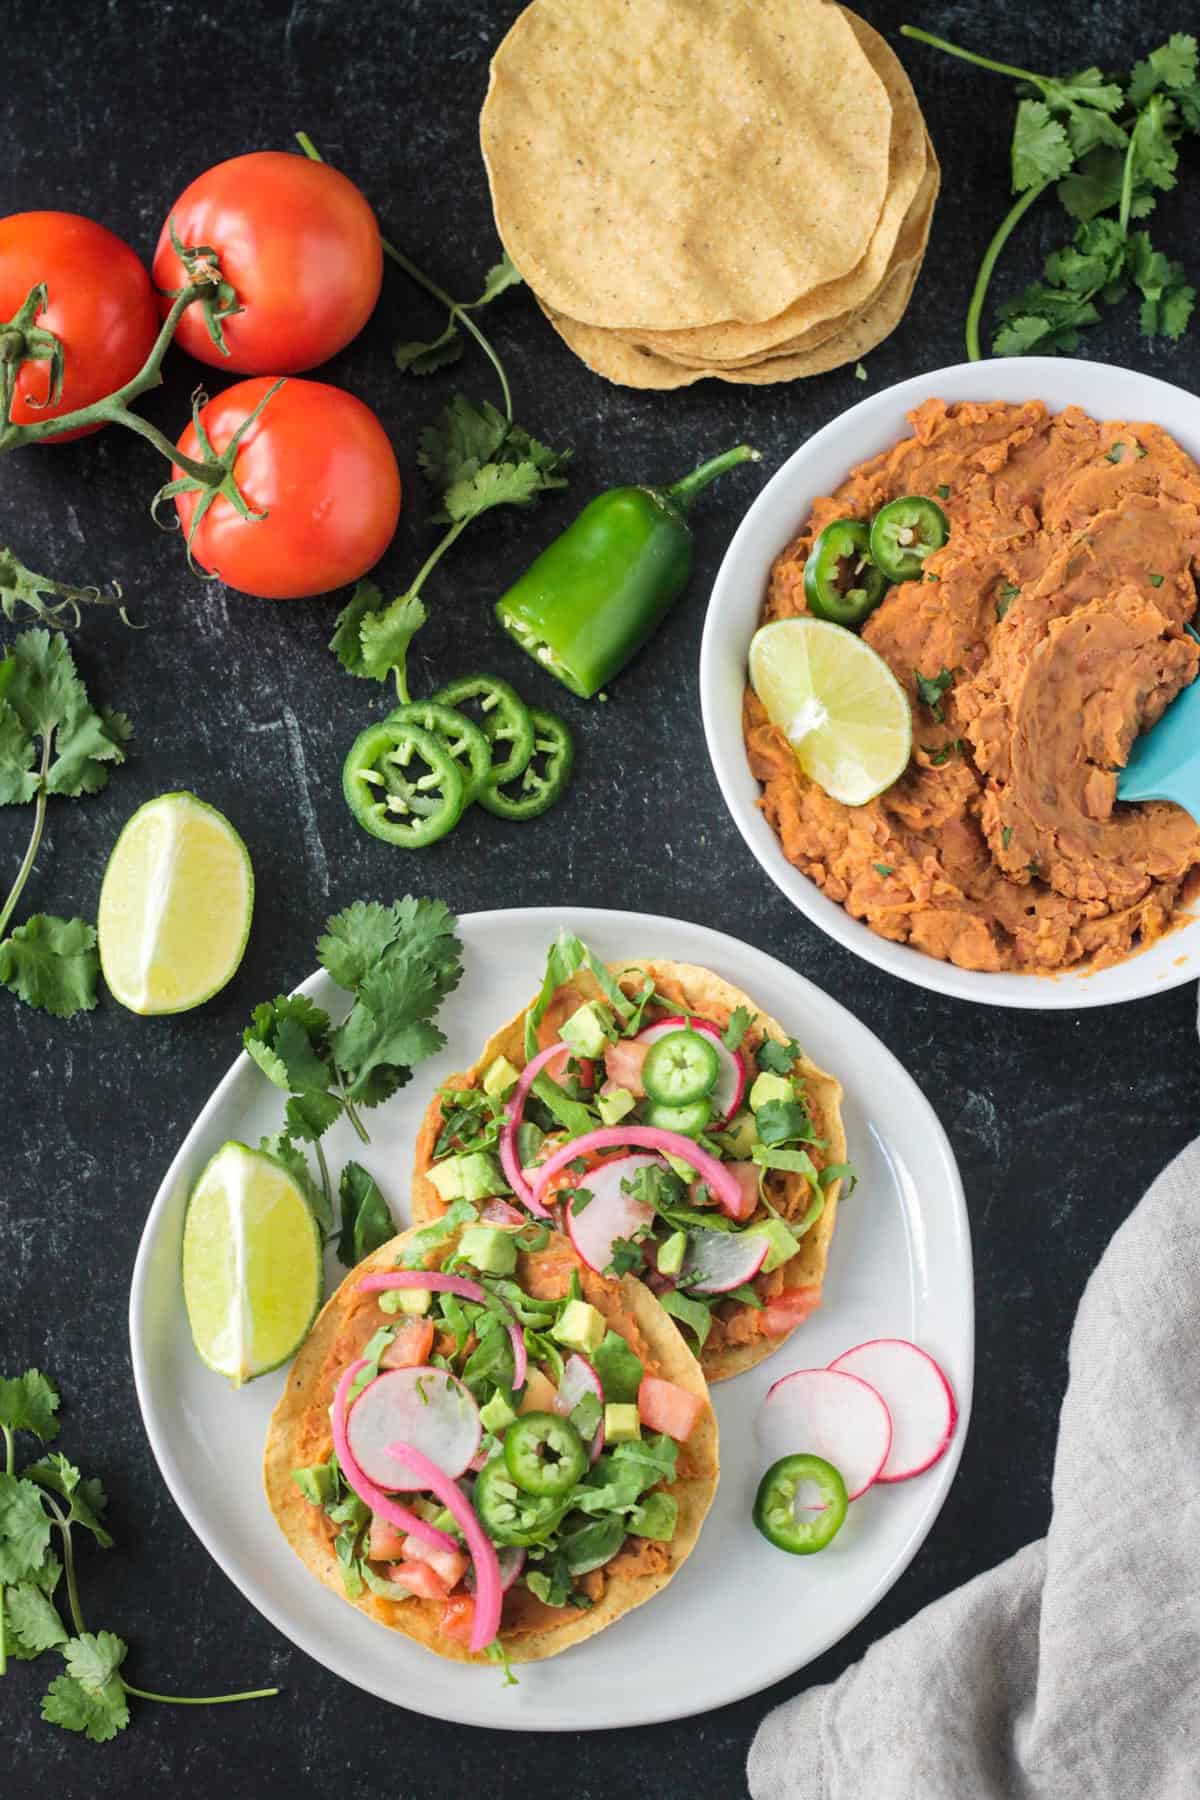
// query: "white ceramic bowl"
[[817, 468]]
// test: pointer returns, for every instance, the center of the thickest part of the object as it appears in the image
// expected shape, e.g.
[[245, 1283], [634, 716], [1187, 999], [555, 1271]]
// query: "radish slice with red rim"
[[510, 1559], [916, 1393], [579, 1378], [717, 1176], [716, 1261], [381, 1504], [423, 1406], [731, 1082], [826, 1412], [610, 1213]]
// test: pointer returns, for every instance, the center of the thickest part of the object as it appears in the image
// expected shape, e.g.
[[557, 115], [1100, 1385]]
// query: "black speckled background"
[[1058, 1121]]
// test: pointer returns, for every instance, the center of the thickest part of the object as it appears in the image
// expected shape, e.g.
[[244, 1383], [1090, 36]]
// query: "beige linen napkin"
[[1071, 1672]]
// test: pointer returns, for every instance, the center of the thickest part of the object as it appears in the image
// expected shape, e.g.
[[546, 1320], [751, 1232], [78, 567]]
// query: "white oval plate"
[[739, 1615], [775, 517]]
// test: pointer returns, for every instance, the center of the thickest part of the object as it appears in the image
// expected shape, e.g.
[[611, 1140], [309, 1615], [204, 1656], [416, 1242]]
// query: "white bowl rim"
[[861, 431]]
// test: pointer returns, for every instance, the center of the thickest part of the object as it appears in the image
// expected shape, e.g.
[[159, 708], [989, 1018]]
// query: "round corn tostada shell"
[[300, 1435], [674, 163], [711, 997], [606, 354], [735, 341]]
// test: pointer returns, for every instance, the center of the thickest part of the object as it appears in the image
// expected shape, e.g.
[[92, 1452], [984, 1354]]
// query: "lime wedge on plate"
[[837, 703], [252, 1267], [175, 906]]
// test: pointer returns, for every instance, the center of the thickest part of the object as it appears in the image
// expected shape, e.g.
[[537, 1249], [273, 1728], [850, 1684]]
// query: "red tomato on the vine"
[[100, 307], [318, 463], [300, 246]]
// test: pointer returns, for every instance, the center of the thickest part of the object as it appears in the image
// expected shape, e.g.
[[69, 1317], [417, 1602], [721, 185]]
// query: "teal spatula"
[[1165, 762]]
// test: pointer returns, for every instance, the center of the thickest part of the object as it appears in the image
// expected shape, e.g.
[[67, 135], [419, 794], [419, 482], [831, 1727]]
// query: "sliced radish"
[[722, 1184], [731, 1082], [719, 1260], [828, 1413], [580, 1378], [610, 1213], [520, 1355], [511, 1560], [425, 1407], [915, 1392], [381, 1504]]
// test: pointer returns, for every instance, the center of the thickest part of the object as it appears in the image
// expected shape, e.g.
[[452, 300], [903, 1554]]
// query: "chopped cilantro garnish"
[[1006, 836], [943, 491], [931, 688], [1156, 581], [1114, 455], [883, 869]]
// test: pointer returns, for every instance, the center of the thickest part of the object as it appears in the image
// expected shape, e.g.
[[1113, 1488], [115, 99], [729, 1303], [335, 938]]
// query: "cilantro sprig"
[[53, 741], [1109, 148], [398, 963], [40, 1511]]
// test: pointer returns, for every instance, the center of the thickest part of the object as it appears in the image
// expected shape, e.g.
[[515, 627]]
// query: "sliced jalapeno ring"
[[841, 583], [904, 533], [682, 1066], [460, 735], [688, 1121], [544, 778], [503, 717], [544, 1454], [402, 784], [507, 1513], [800, 1504]]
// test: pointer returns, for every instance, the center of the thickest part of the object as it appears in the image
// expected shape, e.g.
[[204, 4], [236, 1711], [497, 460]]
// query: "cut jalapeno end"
[[503, 717], [461, 736], [904, 533], [841, 582], [544, 778], [544, 1455], [402, 784], [688, 1121], [681, 1067], [801, 1504]]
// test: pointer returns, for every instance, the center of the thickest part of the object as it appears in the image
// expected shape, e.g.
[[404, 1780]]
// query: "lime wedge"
[[837, 703], [175, 906], [252, 1267]]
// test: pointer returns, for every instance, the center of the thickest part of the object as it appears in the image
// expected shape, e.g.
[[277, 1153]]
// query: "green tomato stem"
[[980, 62], [23, 874], [988, 266], [458, 310]]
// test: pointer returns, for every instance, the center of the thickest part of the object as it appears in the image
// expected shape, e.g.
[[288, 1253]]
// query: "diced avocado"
[[500, 1078], [497, 1415], [770, 1087], [413, 1302], [588, 1030], [621, 1424], [615, 1106], [477, 1175], [671, 1253], [446, 1177], [579, 1327], [683, 1169], [655, 1517], [783, 1245], [493, 1251], [316, 1484], [740, 1136], [442, 1519]]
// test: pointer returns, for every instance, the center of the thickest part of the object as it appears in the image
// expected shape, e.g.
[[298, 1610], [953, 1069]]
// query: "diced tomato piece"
[[384, 1541], [585, 1072], [663, 1406], [787, 1310], [458, 1619], [411, 1345], [499, 1212], [419, 1578], [450, 1565], [623, 1063]]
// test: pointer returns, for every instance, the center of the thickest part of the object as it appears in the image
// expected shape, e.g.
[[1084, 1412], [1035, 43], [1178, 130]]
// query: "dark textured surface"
[[1058, 1122]]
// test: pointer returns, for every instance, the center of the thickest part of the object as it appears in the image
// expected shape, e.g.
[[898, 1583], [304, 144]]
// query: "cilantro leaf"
[[39, 681], [777, 1058], [86, 1499], [24, 1528], [456, 444], [500, 277], [53, 964], [627, 1257], [18, 783], [930, 689], [357, 939], [416, 357], [29, 1402], [474, 459], [1040, 150], [386, 637], [90, 1697], [1172, 65], [346, 642], [784, 1122], [288, 1038], [740, 1021], [32, 1620], [366, 1219], [309, 1115]]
